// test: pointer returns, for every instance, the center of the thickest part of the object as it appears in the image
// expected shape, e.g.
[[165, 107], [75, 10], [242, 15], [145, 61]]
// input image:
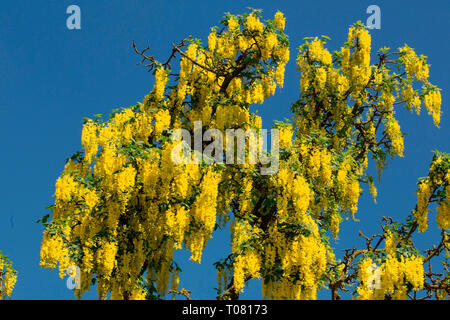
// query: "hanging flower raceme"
[[8, 277]]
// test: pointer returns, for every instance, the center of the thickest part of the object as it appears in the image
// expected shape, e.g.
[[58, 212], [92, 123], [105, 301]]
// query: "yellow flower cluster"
[[434, 188], [421, 212], [317, 163], [53, 251], [280, 20], [303, 256], [177, 220], [204, 210], [126, 179], [415, 66], [247, 263], [443, 212], [293, 190], [228, 116], [8, 278], [160, 83], [412, 100], [106, 257], [357, 63], [66, 187], [373, 191], [320, 79], [334, 224], [432, 102], [162, 121], [196, 77], [318, 53], [395, 135], [391, 244], [233, 24], [303, 260], [349, 187], [338, 82], [285, 137], [89, 140], [253, 24]]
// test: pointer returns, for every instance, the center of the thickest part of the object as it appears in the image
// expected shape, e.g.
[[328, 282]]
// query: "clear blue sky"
[[52, 77]]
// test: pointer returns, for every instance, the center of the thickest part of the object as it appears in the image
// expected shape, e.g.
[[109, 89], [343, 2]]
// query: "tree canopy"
[[122, 205]]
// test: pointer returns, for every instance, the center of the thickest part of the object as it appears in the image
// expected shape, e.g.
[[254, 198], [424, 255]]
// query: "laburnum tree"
[[123, 206], [8, 277]]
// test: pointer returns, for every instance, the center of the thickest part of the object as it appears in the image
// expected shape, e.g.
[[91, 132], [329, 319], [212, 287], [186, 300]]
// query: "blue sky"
[[52, 77]]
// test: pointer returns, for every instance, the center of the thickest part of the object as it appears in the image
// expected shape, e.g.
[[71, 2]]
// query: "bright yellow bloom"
[[89, 140], [162, 121], [66, 188], [280, 20], [421, 214], [126, 179], [443, 214], [160, 83], [8, 277], [317, 52], [432, 102], [285, 137], [106, 258], [233, 24], [253, 23], [395, 135], [390, 243]]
